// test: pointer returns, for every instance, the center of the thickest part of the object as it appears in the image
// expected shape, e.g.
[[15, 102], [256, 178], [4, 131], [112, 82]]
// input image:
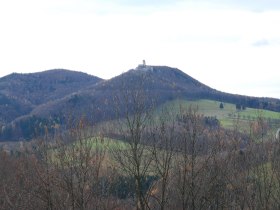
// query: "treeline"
[[29, 127], [241, 102]]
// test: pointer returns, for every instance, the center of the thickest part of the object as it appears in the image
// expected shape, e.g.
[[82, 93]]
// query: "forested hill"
[[38, 88], [21, 93], [29, 101]]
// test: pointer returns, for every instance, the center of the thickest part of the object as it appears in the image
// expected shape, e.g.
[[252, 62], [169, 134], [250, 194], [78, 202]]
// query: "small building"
[[144, 67]]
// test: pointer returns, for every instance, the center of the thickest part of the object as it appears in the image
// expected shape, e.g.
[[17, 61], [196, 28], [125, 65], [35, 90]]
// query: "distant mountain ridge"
[[50, 97]]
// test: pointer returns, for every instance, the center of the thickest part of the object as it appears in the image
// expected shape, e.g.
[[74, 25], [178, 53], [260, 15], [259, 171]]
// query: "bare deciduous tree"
[[133, 157]]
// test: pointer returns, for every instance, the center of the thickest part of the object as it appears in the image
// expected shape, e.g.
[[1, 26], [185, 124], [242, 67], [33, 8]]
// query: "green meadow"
[[229, 116]]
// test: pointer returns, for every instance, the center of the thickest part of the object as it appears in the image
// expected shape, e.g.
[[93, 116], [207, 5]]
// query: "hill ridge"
[[79, 94]]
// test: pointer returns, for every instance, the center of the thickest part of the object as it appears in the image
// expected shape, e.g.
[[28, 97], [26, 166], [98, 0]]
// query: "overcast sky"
[[230, 45]]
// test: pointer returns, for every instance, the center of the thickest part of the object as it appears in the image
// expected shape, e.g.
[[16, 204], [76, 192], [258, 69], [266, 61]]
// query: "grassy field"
[[228, 116]]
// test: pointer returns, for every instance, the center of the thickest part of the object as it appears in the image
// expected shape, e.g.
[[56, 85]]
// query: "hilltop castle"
[[144, 67]]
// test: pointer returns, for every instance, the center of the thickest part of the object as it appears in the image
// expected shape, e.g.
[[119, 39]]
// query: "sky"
[[230, 45]]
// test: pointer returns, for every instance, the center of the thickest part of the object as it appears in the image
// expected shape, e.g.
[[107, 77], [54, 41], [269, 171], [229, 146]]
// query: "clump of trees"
[[240, 106]]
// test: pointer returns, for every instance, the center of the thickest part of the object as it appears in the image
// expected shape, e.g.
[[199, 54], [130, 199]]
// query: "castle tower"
[[144, 67], [144, 63]]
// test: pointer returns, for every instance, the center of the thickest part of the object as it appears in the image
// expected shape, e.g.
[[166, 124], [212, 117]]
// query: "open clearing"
[[229, 116]]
